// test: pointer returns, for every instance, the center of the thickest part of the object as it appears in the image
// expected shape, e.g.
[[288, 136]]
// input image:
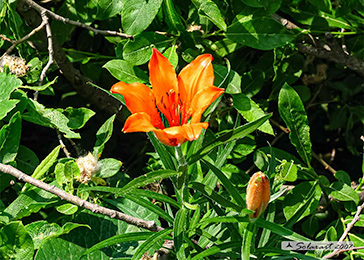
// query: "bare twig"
[[50, 47], [284, 129], [64, 148], [348, 228], [26, 37], [3, 37], [148, 225], [325, 164], [57, 17]]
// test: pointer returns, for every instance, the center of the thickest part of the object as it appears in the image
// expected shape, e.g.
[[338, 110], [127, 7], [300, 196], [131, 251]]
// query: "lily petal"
[[170, 136], [202, 100], [165, 86], [194, 77], [139, 98], [138, 122], [192, 131]]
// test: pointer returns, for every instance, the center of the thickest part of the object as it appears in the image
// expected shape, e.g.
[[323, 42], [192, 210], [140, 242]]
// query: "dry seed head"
[[88, 165], [17, 66], [258, 194]]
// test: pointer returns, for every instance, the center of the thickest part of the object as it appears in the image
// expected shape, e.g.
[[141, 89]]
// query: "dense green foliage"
[[286, 110]]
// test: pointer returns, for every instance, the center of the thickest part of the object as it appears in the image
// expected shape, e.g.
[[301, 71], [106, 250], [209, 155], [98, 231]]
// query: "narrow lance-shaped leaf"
[[103, 135], [294, 115]]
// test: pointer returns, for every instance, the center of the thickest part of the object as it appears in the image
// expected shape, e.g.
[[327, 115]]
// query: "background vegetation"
[[300, 61]]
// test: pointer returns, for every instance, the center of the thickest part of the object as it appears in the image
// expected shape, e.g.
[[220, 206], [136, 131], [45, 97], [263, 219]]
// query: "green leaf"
[[6, 106], [46, 164], [229, 136], [343, 192], [10, 139], [161, 149], [118, 239], [35, 68], [103, 135], [179, 227], [251, 111], [137, 15], [322, 5], [108, 167], [149, 205], [15, 242], [156, 238], [261, 33], [172, 17], [158, 196], [248, 240], [28, 202], [214, 196], [230, 188], [139, 50], [256, 3], [294, 115], [42, 87], [228, 79], [300, 195], [212, 11], [26, 160], [171, 55], [78, 117], [287, 171], [124, 71], [41, 230], [343, 176], [217, 249], [49, 117], [8, 83], [67, 209]]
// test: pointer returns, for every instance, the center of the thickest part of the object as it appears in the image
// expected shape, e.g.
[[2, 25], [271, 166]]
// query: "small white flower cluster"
[[88, 165], [17, 66]]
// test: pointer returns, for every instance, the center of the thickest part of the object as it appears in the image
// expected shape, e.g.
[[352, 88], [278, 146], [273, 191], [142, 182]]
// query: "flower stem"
[[182, 177]]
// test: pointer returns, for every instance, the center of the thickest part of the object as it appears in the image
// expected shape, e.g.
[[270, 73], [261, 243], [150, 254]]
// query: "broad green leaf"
[[287, 171], [78, 117], [6, 106], [261, 33], [343, 177], [137, 15], [139, 51], [118, 239], [343, 192], [228, 79], [212, 11], [44, 166], [8, 83], [35, 68], [15, 242], [150, 206], [103, 135], [28, 202], [108, 167], [294, 115], [49, 117], [152, 241], [67, 209], [10, 139], [179, 228], [229, 136], [322, 5], [217, 249], [171, 55], [26, 160], [251, 111], [230, 188], [256, 3], [294, 200], [41, 230], [172, 17], [124, 71]]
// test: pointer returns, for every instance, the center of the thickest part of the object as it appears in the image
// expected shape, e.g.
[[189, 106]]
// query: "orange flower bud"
[[258, 194]]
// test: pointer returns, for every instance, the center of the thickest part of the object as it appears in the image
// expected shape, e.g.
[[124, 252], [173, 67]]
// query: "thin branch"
[[348, 228], [64, 148], [4, 38], [57, 17], [334, 52], [50, 47], [26, 37], [325, 164], [148, 225]]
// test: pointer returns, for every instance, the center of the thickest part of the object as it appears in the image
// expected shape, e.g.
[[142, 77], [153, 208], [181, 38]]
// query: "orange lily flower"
[[180, 100]]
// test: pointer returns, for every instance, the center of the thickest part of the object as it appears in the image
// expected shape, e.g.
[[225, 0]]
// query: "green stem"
[[248, 240]]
